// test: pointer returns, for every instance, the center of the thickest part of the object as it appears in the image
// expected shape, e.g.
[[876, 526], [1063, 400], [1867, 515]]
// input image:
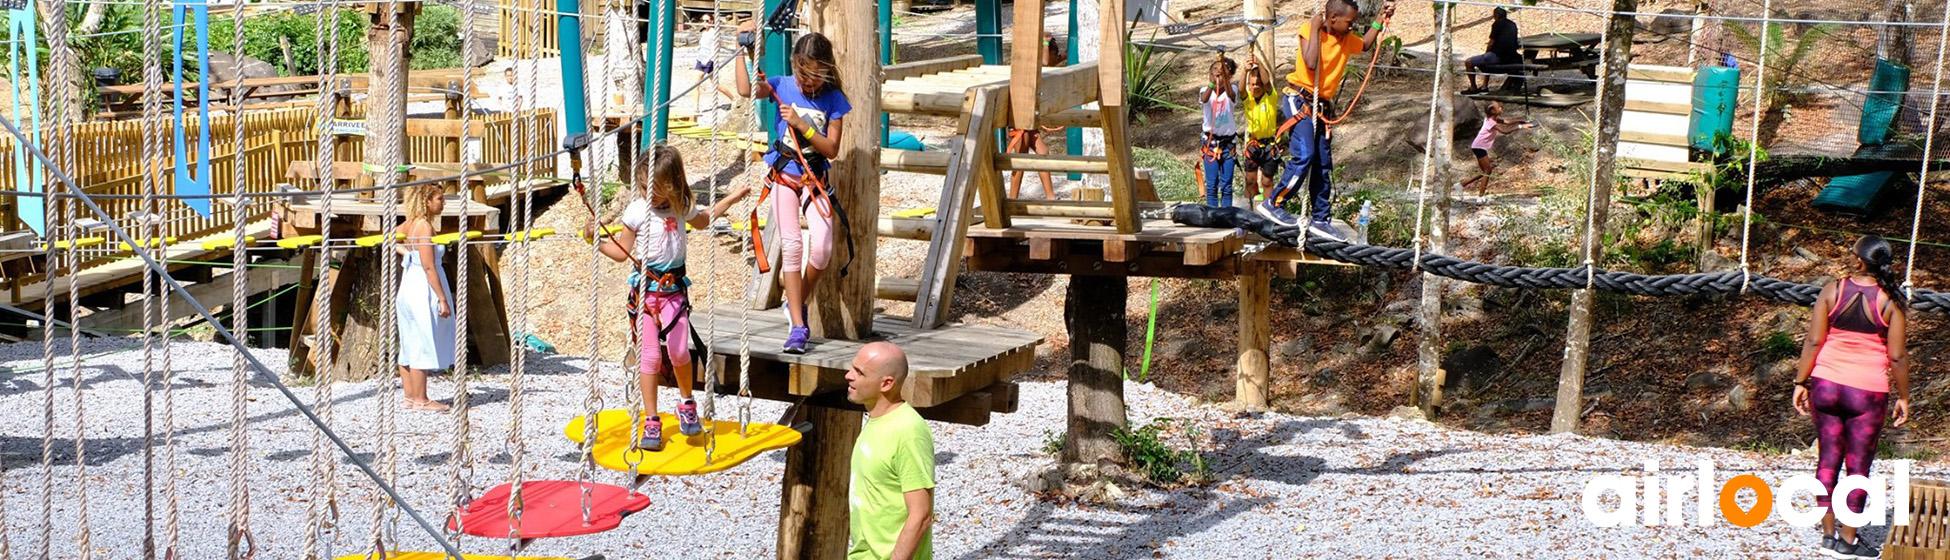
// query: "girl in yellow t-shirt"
[[1262, 111]]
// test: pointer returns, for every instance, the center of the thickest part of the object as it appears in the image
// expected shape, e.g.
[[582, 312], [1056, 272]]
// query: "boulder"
[[225, 67], [1707, 380], [1740, 398], [1672, 22], [1299, 346], [1713, 261], [1407, 413], [1471, 369], [1378, 339]]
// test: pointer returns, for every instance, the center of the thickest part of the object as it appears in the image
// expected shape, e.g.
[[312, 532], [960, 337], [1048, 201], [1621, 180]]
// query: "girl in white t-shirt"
[[654, 230]]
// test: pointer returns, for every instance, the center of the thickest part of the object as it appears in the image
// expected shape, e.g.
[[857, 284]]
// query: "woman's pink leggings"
[[794, 252]]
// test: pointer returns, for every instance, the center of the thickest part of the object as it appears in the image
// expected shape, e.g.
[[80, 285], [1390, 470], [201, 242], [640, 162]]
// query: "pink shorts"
[[659, 309]]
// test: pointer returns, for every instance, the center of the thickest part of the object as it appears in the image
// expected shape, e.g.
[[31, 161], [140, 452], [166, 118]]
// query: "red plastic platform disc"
[[550, 508]]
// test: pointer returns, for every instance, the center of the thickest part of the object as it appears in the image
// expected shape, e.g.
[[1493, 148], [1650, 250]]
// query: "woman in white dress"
[[426, 314]]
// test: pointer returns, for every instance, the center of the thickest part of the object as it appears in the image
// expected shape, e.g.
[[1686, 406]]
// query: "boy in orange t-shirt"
[[1326, 43]]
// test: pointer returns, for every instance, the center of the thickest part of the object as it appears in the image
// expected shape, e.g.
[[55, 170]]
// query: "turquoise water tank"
[[1716, 94]]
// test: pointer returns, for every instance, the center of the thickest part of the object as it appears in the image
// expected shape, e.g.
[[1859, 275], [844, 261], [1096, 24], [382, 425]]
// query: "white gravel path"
[[1288, 487]]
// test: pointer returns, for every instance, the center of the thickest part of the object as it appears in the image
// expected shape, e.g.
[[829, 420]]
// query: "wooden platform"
[[304, 212], [1162, 249], [127, 271], [957, 373]]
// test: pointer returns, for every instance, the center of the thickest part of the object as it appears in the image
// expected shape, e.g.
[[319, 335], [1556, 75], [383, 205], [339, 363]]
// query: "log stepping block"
[[550, 508], [615, 447]]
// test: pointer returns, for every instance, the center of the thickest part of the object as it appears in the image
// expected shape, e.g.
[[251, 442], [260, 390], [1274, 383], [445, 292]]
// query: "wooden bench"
[[1927, 536]]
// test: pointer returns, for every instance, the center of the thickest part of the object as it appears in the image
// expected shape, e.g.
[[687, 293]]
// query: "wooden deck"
[[123, 272], [1162, 249], [960, 371]]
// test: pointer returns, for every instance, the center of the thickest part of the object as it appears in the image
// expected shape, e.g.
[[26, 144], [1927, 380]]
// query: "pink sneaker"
[[687, 421], [652, 438]]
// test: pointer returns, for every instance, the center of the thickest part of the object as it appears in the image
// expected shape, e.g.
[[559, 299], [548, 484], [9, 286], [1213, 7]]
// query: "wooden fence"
[[516, 18], [109, 160]]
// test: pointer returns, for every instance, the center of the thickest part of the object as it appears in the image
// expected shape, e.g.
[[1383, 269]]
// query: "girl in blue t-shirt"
[[810, 109]]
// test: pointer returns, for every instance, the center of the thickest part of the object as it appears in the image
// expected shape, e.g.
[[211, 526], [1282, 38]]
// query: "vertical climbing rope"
[[523, 206], [1753, 151], [633, 397], [241, 545], [1428, 155], [1591, 192], [593, 403], [146, 227], [391, 157], [461, 463], [1929, 137], [322, 513], [709, 408], [61, 146]]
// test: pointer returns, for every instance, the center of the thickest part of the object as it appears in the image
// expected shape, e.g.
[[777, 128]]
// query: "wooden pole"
[[842, 304], [1441, 147], [1026, 63], [1093, 312], [1252, 388], [813, 509], [1260, 12], [1110, 91], [1577, 341]]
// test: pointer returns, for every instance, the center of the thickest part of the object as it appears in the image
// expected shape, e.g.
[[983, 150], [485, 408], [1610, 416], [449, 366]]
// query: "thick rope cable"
[[460, 469], [1753, 152], [1929, 139], [593, 402], [240, 496], [709, 408], [523, 205], [322, 512], [389, 265], [633, 397], [61, 142]]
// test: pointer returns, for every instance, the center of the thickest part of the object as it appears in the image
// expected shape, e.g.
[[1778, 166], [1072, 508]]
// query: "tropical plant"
[[1147, 78], [1783, 59]]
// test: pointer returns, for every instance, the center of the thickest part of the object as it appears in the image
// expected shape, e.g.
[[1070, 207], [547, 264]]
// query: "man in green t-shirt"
[[891, 499]]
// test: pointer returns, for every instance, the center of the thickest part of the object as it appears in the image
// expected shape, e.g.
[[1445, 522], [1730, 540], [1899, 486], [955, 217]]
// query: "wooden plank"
[[1654, 138], [897, 72], [1067, 88], [350, 170], [1651, 73], [1082, 261], [1156, 231], [937, 104], [1059, 209], [953, 213], [216, 293], [1026, 62], [986, 109], [917, 229], [1052, 163], [1075, 118], [444, 127], [1656, 107], [120, 273]]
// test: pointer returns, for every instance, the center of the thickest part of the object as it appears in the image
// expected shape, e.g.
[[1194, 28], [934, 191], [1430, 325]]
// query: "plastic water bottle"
[[1367, 215]]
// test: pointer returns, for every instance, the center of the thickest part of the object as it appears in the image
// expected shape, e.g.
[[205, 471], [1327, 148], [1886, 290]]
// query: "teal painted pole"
[[656, 93], [30, 210], [988, 24], [575, 100], [886, 57], [1074, 143], [777, 61]]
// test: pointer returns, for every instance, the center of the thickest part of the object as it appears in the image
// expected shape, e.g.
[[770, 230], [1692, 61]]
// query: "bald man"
[[891, 500]]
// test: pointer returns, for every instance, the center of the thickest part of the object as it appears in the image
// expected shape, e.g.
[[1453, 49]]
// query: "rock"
[[1224, 309], [484, 50], [1326, 377], [1713, 261], [1539, 403], [1471, 369], [1706, 380], [1397, 320], [1671, 22], [224, 68], [1407, 413], [1775, 374], [1177, 349], [1041, 480], [1807, 255], [1466, 308], [1344, 348], [1400, 307], [1299, 346], [1377, 340], [1740, 398]]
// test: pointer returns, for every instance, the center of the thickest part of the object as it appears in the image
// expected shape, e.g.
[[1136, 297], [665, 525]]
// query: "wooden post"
[[284, 47], [1093, 312], [1110, 92], [1260, 12], [1026, 63], [456, 102], [1252, 388], [1436, 178], [842, 304], [1611, 95], [813, 509]]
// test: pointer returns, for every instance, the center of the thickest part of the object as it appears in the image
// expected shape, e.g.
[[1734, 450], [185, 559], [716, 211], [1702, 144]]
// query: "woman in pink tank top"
[[1855, 351]]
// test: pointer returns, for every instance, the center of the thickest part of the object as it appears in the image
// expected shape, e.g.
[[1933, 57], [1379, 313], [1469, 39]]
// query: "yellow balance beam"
[[225, 242], [615, 447], [449, 238]]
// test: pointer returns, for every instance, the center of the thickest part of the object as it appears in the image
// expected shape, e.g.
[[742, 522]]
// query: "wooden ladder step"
[[1052, 163], [930, 162], [898, 289], [917, 229]]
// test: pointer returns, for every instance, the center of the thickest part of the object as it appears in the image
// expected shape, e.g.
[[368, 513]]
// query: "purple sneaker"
[[795, 342], [652, 438], [687, 421]]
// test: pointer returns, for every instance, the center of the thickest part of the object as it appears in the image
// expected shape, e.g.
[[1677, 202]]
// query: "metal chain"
[[322, 512], [461, 464]]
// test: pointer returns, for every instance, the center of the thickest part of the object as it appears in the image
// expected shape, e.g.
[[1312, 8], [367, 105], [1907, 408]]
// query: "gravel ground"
[[1292, 486]]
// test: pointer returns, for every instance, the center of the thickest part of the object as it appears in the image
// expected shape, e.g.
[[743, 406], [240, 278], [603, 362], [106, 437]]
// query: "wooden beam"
[[898, 289], [937, 104], [1081, 260], [1059, 208], [1067, 88], [1110, 93], [444, 127], [918, 68], [1052, 163], [954, 210], [931, 162], [1026, 62], [917, 229], [1253, 383], [1073, 118]]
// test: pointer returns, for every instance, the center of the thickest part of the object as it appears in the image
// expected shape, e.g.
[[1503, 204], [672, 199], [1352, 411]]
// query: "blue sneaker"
[[652, 438], [1275, 213], [795, 342], [1325, 229], [687, 421]]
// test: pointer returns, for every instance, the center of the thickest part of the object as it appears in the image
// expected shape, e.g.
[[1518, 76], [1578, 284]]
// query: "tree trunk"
[[813, 503], [91, 21], [1895, 42], [842, 305], [1253, 388], [1436, 179], [1611, 96], [1093, 312], [360, 321]]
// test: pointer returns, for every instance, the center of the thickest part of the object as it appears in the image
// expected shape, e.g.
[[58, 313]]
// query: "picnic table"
[[1563, 51]]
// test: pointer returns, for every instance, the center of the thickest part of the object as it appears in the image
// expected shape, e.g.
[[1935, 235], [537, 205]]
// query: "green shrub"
[[1779, 346], [1053, 442], [1157, 461]]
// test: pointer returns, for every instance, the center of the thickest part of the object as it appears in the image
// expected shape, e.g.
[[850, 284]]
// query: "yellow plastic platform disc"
[[915, 213], [300, 242], [225, 242], [372, 240], [530, 235], [146, 244], [447, 238], [396, 555], [76, 243], [682, 455]]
